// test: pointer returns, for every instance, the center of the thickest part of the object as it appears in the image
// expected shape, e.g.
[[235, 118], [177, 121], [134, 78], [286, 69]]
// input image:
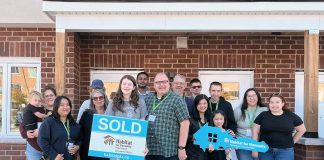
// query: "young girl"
[[219, 120], [34, 112]]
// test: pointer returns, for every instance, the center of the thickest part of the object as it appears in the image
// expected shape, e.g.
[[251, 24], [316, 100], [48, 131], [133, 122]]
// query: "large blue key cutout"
[[218, 138]]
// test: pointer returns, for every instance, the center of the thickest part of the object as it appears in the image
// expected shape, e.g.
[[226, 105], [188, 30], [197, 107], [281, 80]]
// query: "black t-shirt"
[[30, 120], [276, 131]]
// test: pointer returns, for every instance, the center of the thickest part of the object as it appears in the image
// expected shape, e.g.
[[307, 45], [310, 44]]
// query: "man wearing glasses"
[[168, 119], [195, 87]]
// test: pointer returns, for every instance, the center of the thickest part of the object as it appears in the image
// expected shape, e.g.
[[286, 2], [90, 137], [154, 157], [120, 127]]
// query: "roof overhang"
[[186, 17]]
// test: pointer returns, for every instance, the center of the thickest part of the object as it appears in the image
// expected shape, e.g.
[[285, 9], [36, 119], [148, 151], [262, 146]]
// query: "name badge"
[[38, 124], [248, 133], [151, 118], [69, 145]]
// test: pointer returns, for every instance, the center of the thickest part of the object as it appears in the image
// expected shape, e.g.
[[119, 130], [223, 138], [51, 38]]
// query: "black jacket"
[[194, 152], [86, 125], [227, 108], [52, 138]]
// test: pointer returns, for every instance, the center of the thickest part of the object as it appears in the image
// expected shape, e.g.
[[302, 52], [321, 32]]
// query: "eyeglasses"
[[195, 87], [49, 96], [161, 82], [98, 98]]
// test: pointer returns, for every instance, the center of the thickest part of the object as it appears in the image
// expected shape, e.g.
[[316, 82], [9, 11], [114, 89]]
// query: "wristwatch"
[[181, 147]]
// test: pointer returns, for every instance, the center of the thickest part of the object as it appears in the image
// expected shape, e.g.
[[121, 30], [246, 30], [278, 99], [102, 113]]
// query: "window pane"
[[111, 89], [1, 78], [321, 92], [21, 84], [231, 90]]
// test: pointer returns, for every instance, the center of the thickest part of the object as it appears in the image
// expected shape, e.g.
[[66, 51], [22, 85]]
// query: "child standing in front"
[[219, 120], [34, 112]]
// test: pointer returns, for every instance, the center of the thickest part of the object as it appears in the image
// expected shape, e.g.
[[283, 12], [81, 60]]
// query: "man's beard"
[[141, 85]]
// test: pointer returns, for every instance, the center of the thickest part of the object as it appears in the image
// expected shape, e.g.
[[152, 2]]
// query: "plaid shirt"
[[163, 133]]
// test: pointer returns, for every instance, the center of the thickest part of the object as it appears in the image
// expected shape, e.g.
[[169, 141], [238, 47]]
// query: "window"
[[235, 83], [111, 79], [231, 90], [299, 93], [14, 70], [15, 84], [321, 92]]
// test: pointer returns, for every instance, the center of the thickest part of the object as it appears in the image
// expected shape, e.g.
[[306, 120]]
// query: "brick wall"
[[31, 42], [303, 152], [274, 58], [12, 151], [72, 82], [40, 42]]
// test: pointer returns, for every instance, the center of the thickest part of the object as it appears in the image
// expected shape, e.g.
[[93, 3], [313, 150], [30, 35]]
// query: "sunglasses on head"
[[278, 94], [100, 98]]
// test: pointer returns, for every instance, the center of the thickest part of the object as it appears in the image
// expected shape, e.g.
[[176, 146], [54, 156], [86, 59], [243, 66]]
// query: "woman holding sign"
[[127, 103], [201, 115], [275, 128], [98, 105], [59, 134], [244, 117]]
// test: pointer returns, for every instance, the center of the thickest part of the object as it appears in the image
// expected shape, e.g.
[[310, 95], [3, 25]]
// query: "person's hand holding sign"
[[255, 154], [74, 149]]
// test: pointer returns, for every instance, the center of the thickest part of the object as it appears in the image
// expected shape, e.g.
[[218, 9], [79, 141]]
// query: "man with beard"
[[142, 80]]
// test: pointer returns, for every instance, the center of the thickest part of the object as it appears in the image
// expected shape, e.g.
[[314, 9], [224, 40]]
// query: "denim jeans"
[[154, 157], [277, 154], [32, 153], [244, 155]]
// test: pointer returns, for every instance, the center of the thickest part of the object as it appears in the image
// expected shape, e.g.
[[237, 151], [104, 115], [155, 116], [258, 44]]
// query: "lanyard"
[[158, 105], [67, 128], [201, 124], [211, 107], [251, 119]]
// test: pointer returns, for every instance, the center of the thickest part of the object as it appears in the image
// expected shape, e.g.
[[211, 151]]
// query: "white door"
[[110, 78], [235, 83], [299, 99]]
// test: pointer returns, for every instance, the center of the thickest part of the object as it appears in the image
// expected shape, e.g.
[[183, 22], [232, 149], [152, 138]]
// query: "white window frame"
[[299, 100], [7, 63], [299, 92], [101, 74], [236, 74]]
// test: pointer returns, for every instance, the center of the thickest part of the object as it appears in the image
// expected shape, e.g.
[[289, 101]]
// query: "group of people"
[[172, 118]]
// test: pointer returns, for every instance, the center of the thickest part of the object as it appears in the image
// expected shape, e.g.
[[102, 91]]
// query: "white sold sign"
[[116, 137]]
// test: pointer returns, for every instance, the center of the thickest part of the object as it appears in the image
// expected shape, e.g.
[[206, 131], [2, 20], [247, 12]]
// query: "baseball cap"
[[97, 83]]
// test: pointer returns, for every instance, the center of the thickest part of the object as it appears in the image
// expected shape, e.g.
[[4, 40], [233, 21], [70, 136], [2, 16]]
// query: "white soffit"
[[139, 17], [23, 13]]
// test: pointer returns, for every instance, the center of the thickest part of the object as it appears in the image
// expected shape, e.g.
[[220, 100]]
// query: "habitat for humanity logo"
[[109, 140]]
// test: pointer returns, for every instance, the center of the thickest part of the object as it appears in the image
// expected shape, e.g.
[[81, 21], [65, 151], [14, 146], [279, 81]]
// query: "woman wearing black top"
[[98, 105], [275, 128], [200, 116], [59, 134]]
